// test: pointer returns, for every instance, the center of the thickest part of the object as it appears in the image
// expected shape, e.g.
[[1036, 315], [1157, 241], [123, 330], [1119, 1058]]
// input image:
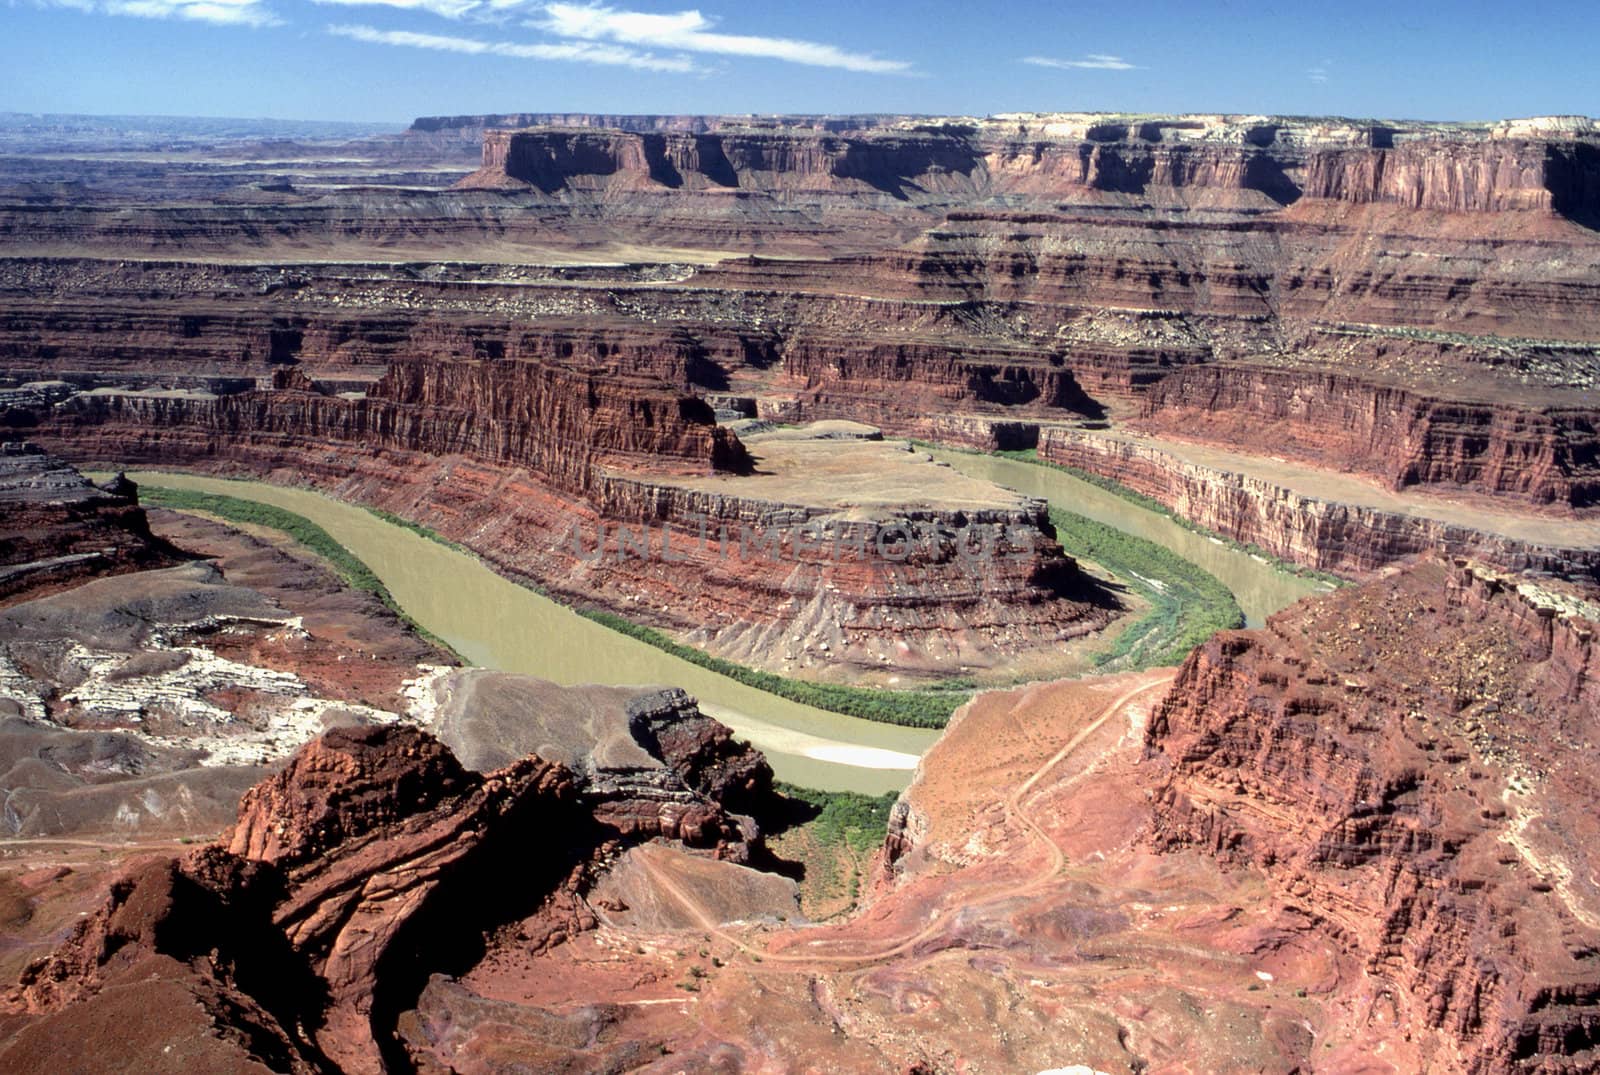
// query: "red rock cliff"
[[558, 422], [56, 527], [1409, 764], [1470, 177], [553, 159], [1233, 159], [1324, 534], [372, 849], [1402, 435], [372, 860]]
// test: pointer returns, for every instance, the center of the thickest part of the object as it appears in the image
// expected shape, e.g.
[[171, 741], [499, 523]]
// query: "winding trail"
[[1014, 808]]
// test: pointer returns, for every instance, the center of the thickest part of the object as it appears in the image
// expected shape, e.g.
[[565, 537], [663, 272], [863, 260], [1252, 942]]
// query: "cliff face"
[[1250, 335], [1547, 455], [1232, 160], [1139, 166], [538, 468], [1347, 538], [57, 528], [553, 418], [939, 160], [372, 860], [1404, 762], [307, 945], [908, 385], [558, 159], [1485, 177], [559, 422], [1413, 302]]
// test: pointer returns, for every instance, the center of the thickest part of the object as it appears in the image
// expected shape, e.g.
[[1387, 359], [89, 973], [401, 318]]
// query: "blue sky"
[[390, 60]]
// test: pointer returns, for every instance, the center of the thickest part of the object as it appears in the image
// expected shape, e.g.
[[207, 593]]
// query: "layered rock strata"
[[282, 931], [1322, 533], [610, 490], [1460, 169], [646, 763], [1411, 301], [56, 527], [294, 943], [1403, 762], [1057, 262], [559, 422], [1404, 436]]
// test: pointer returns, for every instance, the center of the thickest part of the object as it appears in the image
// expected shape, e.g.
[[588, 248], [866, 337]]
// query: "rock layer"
[[371, 860], [1404, 436], [1404, 762], [1315, 532], [1411, 300], [57, 528], [1461, 169]]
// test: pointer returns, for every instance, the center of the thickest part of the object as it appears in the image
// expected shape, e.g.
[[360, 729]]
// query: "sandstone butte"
[[1357, 839]]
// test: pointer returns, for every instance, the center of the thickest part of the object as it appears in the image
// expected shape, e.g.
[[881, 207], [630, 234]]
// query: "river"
[[495, 623], [1260, 588]]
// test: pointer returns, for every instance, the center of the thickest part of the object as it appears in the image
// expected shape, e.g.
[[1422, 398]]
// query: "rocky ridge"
[[1402, 763], [565, 454], [1321, 533], [59, 528], [373, 859], [1550, 167]]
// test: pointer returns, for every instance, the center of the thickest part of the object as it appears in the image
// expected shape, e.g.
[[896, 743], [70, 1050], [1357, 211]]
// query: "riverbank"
[[1328, 520], [496, 623], [1150, 503], [1259, 586], [517, 629]]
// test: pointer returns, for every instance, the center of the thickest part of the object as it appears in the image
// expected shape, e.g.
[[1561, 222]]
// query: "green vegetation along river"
[[495, 623], [1260, 587]]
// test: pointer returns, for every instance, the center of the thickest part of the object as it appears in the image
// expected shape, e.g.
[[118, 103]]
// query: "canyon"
[[1237, 863], [706, 380]]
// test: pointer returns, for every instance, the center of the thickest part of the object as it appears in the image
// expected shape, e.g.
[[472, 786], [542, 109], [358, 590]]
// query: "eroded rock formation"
[[1279, 161], [373, 859], [151, 665], [369, 835], [647, 763], [1412, 301], [56, 527], [1317, 531], [1407, 763]]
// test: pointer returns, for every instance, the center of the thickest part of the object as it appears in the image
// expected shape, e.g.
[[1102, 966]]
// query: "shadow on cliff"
[[512, 873], [780, 813], [711, 160], [1585, 216], [706, 373], [1574, 180], [889, 168]]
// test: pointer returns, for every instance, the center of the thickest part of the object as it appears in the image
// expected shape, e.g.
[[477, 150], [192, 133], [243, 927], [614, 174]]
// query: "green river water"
[[495, 623], [1260, 588]]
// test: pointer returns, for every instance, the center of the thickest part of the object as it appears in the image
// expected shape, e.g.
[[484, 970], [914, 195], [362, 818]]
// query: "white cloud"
[[1319, 73], [412, 40], [449, 9], [578, 52], [218, 12], [1095, 61], [691, 31]]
